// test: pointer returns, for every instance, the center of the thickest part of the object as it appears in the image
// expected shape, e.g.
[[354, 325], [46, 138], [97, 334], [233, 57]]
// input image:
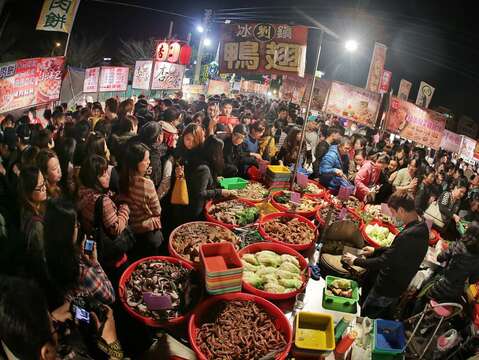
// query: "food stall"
[[246, 284]]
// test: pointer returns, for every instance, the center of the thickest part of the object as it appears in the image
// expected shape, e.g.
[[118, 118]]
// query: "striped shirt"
[[115, 218], [144, 205]]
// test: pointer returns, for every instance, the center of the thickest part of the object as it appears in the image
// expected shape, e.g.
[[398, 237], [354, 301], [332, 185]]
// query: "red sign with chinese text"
[[263, 48]]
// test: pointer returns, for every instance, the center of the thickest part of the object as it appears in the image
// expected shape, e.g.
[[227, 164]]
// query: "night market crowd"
[[107, 172]]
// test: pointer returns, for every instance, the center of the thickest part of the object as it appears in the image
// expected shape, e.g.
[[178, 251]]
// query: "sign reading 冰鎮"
[[30, 82], [417, 124], [58, 15], [263, 48]]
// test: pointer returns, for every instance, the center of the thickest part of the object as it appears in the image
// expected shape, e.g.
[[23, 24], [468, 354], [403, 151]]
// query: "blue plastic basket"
[[389, 337]]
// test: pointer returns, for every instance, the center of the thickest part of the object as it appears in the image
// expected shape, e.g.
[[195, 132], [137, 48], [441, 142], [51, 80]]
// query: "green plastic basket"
[[234, 183]]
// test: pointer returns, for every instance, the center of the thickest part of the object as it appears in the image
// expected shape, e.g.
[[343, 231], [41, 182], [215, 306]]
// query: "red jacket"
[[367, 177]]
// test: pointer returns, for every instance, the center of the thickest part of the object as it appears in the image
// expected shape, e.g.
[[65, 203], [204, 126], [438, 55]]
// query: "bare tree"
[[132, 50], [84, 52]]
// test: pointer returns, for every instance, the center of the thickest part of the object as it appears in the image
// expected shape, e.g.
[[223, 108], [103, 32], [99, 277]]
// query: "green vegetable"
[[247, 216], [282, 274], [269, 278], [264, 270], [249, 267], [290, 258], [282, 199], [291, 283], [274, 288], [268, 258], [290, 267], [253, 279], [250, 258]]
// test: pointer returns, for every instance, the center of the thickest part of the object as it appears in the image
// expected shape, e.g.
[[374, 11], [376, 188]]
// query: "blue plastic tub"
[[389, 337]]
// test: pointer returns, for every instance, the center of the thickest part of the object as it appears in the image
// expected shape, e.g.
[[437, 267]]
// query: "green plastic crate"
[[350, 307], [235, 183]]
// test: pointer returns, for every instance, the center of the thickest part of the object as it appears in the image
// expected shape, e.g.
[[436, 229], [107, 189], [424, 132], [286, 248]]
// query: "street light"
[[351, 45], [207, 42], [57, 44], [200, 29]]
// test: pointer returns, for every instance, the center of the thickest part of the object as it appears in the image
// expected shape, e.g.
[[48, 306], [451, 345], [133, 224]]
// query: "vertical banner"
[[167, 76], [404, 89], [468, 148], [424, 95], [416, 124], [142, 75], [90, 84], [451, 141], [30, 82], [263, 49], [58, 15], [385, 81], [376, 67], [113, 78], [353, 103]]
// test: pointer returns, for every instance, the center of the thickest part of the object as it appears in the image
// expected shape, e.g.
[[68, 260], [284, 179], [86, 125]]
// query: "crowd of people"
[[107, 172]]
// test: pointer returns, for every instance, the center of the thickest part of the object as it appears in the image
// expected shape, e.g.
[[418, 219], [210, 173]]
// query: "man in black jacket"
[[398, 264], [235, 158]]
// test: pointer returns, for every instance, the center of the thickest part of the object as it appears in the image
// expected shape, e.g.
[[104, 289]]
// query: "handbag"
[[433, 214], [179, 195], [110, 249]]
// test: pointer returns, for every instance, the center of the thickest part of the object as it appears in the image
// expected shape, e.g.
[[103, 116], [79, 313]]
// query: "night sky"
[[428, 40]]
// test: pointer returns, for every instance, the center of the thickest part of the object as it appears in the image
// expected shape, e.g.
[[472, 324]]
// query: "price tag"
[[156, 301], [342, 213], [345, 192], [295, 197], [302, 180]]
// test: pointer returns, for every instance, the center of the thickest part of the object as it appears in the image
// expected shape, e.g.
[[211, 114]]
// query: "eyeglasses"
[[41, 188]]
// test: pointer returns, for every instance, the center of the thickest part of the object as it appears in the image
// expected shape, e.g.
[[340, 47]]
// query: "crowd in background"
[[108, 171]]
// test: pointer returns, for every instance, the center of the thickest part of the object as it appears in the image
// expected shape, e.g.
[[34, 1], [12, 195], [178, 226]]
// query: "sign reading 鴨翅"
[[142, 75], [58, 15], [353, 103], [30, 82], [167, 76], [113, 78], [263, 48], [417, 124]]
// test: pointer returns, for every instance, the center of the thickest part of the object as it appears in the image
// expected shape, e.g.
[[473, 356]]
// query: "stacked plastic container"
[[340, 303], [277, 177], [389, 339], [222, 268]]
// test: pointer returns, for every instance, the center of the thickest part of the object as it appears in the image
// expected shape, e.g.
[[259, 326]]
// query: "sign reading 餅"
[[167, 76], [411, 122], [142, 75], [263, 48], [30, 82], [58, 15]]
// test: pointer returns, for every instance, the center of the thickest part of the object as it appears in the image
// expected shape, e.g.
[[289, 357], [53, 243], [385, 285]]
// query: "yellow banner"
[[58, 15]]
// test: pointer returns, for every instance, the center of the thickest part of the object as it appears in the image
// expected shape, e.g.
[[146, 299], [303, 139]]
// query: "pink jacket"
[[367, 177]]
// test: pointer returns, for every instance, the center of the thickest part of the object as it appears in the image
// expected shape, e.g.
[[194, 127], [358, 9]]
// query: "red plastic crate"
[[219, 258]]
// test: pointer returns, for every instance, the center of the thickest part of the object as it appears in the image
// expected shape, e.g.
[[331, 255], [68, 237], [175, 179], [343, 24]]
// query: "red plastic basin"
[[211, 218], [205, 308], [370, 241]]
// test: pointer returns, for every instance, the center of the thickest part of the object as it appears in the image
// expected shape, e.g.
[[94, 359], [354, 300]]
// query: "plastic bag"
[[179, 196]]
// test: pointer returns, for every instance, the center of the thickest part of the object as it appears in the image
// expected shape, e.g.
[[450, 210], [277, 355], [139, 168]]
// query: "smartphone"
[[81, 314], [88, 246]]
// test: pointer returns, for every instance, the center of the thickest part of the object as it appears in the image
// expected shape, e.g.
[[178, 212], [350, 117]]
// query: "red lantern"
[[185, 54], [162, 51]]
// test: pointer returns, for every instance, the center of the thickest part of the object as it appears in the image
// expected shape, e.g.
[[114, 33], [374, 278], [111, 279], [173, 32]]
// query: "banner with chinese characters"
[[468, 147], [247, 86], [90, 84], [30, 82], [353, 103], [167, 76], [321, 88], [218, 87], [263, 49], [451, 141], [424, 95], [404, 89], [385, 82], [376, 67], [142, 75], [193, 90], [113, 78], [293, 89], [416, 124], [58, 15]]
